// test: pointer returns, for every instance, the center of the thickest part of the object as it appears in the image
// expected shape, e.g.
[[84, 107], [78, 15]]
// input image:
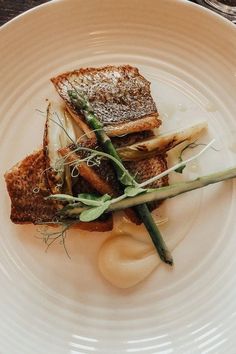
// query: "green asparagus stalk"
[[83, 105], [161, 193], [175, 189]]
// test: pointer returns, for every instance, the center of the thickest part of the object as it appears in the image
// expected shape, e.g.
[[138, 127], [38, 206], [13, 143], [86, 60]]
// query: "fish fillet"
[[119, 95], [27, 186]]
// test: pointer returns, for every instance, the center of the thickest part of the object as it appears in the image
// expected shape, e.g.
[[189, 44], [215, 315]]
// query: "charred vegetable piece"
[[160, 144]]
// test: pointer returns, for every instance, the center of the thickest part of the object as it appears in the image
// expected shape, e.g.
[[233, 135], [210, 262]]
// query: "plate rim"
[[53, 3]]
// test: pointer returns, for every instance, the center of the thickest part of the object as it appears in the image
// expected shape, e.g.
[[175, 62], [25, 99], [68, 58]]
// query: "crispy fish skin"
[[148, 168], [144, 170], [119, 95], [27, 186]]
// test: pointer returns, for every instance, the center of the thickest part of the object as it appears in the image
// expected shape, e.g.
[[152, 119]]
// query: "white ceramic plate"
[[50, 304]]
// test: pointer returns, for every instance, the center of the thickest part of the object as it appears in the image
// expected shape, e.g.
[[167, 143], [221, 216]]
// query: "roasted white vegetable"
[[59, 132], [161, 143]]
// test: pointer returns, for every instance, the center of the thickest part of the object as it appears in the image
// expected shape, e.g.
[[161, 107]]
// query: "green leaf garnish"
[[93, 199], [62, 197], [180, 159], [181, 168], [189, 146], [94, 213]]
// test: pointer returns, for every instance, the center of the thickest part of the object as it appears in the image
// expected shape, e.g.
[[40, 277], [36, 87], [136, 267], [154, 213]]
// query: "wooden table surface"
[[11, 8]]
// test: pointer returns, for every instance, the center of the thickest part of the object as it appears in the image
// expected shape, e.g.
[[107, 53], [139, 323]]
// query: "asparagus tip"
[[166, 257]]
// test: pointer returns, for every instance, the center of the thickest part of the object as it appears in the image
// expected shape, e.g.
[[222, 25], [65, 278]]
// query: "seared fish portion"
[[27, 186], [120, 98], [148, 168], [103, 178]]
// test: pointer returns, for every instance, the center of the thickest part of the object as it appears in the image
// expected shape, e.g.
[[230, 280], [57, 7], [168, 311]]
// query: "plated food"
[[101, 153], [191, 80]]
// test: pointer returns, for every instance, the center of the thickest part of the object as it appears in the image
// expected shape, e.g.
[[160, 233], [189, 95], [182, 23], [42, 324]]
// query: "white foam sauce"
[[125, 261], [129, 257]]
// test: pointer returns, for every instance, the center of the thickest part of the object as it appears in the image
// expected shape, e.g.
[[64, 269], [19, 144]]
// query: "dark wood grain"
[[11, 8]]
